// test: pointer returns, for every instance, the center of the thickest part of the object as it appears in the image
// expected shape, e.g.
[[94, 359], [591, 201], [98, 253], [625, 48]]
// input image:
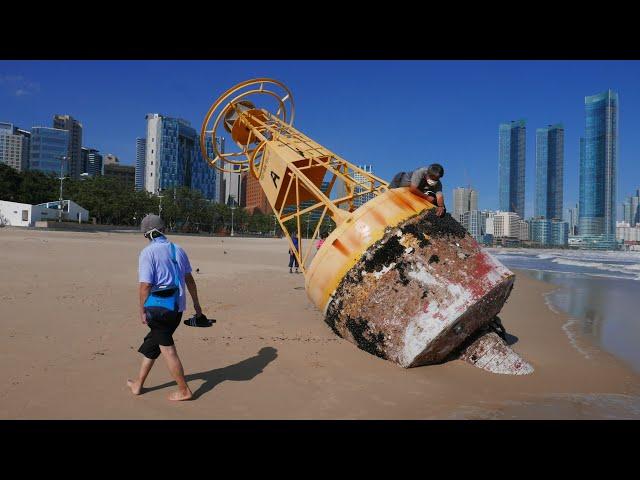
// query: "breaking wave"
[[629, 269], [626, 265]]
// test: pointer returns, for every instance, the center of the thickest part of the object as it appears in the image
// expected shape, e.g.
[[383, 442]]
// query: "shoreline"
[[70, 335]]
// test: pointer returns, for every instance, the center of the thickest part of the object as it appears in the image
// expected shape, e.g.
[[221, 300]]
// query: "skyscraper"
[[474, 222], [74, 148], [598, 158], [173, 157], [243, 189], [511, 154], [464, 200], [505, 224], [141, 147], [573, 220], [219, 198], [94, 162], [549, 172], [204, 177], [84, 160], [14, 146], [48, 145], [256, 197], [548, 232], [362, 199], [631, 209], [232, 184]]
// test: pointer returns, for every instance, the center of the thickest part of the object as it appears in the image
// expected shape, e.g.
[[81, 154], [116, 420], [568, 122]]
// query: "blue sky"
[[395, 115]]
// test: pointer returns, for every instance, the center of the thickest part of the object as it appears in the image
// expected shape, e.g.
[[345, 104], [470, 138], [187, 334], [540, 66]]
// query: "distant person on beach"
[[162, 265], [424, 182], [292, 258]]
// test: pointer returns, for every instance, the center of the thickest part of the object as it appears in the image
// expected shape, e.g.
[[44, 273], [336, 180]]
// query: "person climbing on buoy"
[[425, 182]]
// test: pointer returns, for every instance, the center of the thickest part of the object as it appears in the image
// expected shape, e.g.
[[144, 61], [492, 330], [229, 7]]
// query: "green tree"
[[10, 180], [37, 187]]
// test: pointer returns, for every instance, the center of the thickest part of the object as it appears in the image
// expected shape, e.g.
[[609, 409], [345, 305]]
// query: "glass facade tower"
[[549, 172], [173, 157], [74, 151], [511, 154], [362, 199], [598, 158], [48, 145]]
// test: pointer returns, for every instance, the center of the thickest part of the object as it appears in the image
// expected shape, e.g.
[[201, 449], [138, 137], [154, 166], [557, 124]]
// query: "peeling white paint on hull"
[[416, 296]]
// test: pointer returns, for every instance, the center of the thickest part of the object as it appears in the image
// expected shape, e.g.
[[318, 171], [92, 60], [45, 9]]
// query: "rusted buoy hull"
[[418, 293]]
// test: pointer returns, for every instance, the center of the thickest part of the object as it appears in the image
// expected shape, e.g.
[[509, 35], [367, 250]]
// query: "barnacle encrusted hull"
[[418, 293]]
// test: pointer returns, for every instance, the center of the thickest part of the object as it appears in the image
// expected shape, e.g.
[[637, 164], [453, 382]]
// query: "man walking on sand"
[[162, 264]]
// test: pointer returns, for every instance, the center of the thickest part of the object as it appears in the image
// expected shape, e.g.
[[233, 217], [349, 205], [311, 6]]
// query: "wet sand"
[[69, 331]]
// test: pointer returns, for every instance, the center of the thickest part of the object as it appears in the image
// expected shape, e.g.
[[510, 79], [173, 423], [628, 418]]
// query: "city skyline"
[[349, 115]]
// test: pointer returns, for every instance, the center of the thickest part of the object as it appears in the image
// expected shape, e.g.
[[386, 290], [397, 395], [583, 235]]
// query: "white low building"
[[18, 214], [70, 211], [26, 215], [627, 233]]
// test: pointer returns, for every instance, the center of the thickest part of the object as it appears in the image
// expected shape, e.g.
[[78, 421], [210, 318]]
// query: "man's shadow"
[[241, 371]]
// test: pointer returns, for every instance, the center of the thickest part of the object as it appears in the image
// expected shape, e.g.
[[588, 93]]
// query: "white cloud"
[[18, 86]]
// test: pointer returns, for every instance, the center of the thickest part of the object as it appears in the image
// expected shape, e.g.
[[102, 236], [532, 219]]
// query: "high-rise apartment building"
[[141, 146], [74, 146], [48, 147], [256, 198], [549, 172], [631, 209], [598, 158], [14, 146], [364, 198], [506, 224], [511, 154], [173, 157], [548, 232], [84, 160], [572, 220], [220, 193], [232, 184], [474, 222], [464, 200], [94, 162]]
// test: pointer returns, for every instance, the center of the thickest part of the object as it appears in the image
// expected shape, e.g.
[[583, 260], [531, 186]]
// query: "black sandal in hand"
[[199, 320]]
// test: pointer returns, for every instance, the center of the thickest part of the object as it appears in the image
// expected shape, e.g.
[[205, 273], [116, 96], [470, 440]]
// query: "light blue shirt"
[[156, 267]]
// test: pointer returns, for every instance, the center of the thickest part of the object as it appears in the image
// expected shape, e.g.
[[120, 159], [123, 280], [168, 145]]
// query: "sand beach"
[[69, 332]]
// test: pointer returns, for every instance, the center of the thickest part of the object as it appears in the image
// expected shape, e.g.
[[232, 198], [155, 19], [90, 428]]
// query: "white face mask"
[[431, 183]]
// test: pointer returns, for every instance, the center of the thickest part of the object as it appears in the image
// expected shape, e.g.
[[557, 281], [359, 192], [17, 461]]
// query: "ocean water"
[[599, 290]]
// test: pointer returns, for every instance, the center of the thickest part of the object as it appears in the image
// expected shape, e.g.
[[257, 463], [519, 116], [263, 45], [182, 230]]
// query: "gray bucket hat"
[[150, 222]]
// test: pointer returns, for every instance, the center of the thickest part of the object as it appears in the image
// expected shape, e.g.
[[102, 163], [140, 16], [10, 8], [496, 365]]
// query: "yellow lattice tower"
[[291, 168]]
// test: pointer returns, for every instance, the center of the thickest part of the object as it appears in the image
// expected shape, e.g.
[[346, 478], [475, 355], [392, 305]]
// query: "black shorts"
[[162, 323]]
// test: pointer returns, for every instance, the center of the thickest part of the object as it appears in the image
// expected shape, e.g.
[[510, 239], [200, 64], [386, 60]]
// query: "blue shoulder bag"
[[166, 296]]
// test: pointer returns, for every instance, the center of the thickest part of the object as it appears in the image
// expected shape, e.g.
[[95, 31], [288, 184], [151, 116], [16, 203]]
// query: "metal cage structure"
[[290, 166]]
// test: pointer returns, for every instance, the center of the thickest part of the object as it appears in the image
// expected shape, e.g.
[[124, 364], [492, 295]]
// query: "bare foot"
[[135, 387], [179, 395]]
